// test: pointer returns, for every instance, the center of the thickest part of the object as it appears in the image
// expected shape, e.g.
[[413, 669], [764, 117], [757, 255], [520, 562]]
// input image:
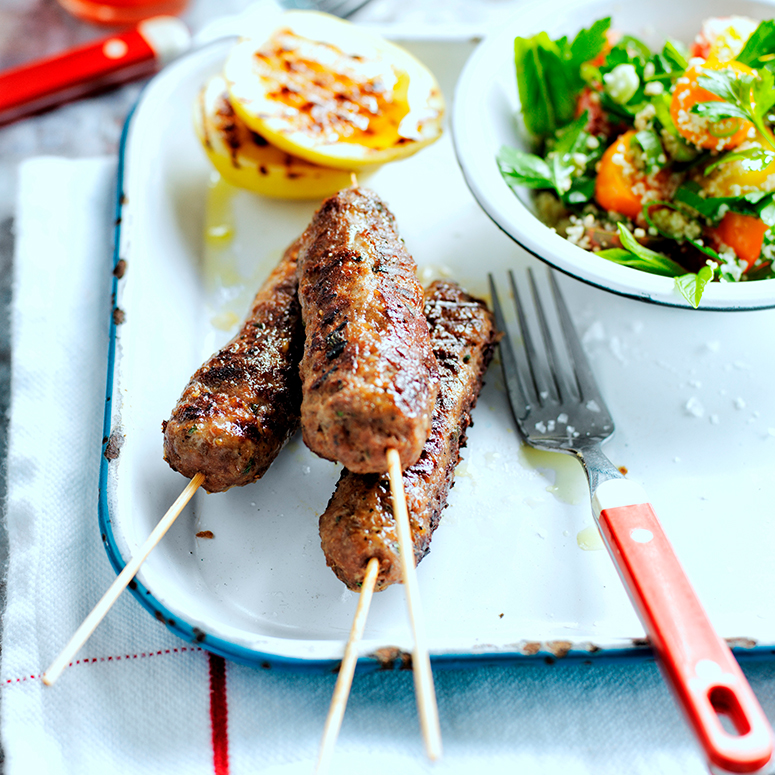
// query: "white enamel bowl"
[[483, 119]]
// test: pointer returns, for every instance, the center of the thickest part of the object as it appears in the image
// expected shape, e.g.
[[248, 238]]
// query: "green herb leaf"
[[763, 94], [619, 256], [653, 153], [674, 53], [759, 46], [589, 43], [767, 212], [524, 169], [732, 86], [640, 257], [691, 286], [758, 204], [563, 169], [716, 111], [754, 159], [547, 96], [582, 190], [743, 95], [549, 75]]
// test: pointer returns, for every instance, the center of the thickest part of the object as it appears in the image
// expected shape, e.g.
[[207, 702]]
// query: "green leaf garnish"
[[754, 159], [588, 44], [563, 169], [653, 153], [760, 46], [545, 92], [758, 204], [676, 55], [640, 257], [661, 262], [748, 96], [549, 75], [691, 286], [523, 169]]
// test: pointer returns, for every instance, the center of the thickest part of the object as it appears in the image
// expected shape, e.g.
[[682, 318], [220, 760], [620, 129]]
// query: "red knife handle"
[[703, 672], [91, 68]]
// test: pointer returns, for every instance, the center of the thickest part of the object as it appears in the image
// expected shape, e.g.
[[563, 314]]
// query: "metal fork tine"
[[585, 379], [511, 370], [557, 371], [541, 378]]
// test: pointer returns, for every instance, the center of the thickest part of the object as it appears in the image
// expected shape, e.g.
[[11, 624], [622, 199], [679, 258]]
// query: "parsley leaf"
[[635, 255], [743, 95], [587, 45], [563, 169], [675, 56]]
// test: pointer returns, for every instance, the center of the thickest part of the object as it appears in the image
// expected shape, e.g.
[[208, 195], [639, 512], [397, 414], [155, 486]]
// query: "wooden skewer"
[[421, 663], [347, 669], [119, 584]]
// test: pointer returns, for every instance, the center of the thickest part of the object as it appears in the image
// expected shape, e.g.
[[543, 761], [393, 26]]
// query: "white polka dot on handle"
[[115, 48]]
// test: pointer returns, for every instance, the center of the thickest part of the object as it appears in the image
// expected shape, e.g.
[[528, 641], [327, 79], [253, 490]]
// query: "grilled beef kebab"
[[369, 378], [358, 523], [242, 406]]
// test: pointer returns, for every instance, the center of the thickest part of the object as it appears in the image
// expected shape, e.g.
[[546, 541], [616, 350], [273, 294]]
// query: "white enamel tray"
[[515, 570]]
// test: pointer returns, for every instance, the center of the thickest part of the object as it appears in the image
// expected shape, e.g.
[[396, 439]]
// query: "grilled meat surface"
[[242, 406], [358, 522], [369, 378]]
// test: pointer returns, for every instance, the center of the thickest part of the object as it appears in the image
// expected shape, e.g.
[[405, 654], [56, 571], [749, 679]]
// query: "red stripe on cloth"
[[219, 715]]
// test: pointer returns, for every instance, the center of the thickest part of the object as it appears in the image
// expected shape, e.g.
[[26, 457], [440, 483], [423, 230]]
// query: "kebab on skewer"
[[358, 530], [235, 415], [369, 382]]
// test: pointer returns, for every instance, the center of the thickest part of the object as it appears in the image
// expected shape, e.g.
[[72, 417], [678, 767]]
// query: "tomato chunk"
[[743, 233], [620, 187]]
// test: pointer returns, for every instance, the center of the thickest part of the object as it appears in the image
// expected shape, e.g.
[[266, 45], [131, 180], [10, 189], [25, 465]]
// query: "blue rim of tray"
[[535, 652]]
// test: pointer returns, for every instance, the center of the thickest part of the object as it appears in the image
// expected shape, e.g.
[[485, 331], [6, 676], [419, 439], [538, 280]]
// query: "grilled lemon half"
[[336, 95], [245, 159]]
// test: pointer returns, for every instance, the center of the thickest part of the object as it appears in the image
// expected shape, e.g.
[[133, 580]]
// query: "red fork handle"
[[88, 69], [703, 672]]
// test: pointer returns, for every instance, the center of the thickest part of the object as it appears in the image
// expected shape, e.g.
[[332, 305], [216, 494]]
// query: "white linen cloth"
[[138, 700]]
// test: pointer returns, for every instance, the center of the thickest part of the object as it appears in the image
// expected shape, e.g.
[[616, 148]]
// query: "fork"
[[558, 407], [341, 8]]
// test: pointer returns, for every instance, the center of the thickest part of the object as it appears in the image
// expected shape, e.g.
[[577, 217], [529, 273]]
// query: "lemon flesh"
[[245, 159], [326, 91]]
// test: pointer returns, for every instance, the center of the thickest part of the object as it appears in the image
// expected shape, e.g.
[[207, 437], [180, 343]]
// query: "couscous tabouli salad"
[[662, 161]]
